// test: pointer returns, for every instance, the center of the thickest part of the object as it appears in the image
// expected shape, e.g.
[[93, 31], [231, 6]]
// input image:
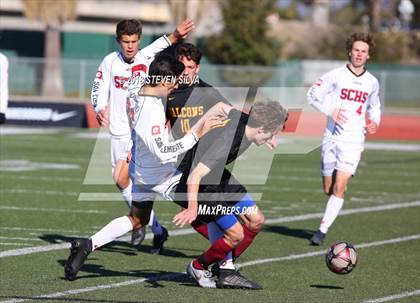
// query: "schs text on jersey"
[[353, 95]]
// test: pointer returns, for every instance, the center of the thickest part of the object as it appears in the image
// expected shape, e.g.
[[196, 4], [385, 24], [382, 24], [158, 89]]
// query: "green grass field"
[[42, 176]]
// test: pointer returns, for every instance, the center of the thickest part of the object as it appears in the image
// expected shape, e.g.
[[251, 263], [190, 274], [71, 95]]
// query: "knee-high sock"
[[154, 224], [126, 193], [334, 206], [114, 229], [249, 236], [201, 228], [217, 251], [215, 233]]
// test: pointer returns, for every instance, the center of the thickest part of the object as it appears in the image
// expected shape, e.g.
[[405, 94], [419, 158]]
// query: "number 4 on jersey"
[[359, 110]]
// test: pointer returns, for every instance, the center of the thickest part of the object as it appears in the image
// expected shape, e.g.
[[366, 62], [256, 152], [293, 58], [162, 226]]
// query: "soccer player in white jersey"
[[4, 87], [152, 166], [111, 83], [345, 95]]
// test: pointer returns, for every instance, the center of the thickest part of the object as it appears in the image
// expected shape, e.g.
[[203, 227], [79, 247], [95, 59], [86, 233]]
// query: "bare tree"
[[195, 10], [320, 12], [375, 15], [53, 14]]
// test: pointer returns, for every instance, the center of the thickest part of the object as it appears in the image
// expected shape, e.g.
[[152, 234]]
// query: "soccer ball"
[[341, 258]]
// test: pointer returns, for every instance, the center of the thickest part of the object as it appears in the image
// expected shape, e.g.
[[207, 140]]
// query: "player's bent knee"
[[134, 221], [235, 235], [257, 222], [140, 211]]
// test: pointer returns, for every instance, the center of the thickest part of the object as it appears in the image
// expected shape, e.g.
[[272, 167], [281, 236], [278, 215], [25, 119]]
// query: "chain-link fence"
[[400, 85]]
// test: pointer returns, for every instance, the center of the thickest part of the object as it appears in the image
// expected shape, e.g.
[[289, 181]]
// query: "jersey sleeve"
[[4, 85], [374, 105], [155, 135], [101, 87], [318, 95], [157, 46]]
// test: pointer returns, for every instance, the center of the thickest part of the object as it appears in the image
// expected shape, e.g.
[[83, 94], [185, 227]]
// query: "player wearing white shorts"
[[116, 71], [345, 95]]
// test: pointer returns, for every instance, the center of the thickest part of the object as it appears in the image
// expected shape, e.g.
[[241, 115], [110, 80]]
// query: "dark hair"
[[128, 27], [269, 115], [163, 68], [367, 38], [189, 51]]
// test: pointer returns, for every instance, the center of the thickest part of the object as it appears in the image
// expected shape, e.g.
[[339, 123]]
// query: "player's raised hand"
[[181, 31], [371, 127], [102, 117]]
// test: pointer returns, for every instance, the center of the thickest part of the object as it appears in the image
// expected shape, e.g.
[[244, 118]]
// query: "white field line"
[[318, 180], [40, 192], [59, 210], [308, 190], [393, 147], [39, 229], [344, 212], [188, 231], [18, 238], [394, 297], [178, 274], [14, 244], [322, 252], [378, 171], [39, 178]]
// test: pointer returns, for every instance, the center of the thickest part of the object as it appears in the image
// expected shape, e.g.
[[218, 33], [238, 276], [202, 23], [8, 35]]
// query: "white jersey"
[[4, 85], [153, 154], [341, 88], [111, 82]]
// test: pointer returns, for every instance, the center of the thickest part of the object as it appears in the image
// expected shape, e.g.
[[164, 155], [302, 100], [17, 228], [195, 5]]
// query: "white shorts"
[[150, 182], [342, 156], [119, 148]]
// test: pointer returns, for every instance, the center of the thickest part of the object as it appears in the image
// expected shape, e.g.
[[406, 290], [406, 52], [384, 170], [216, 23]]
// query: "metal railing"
[[399, 86]]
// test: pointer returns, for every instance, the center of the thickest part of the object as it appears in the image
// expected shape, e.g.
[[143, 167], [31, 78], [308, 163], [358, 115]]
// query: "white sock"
[[214, 234], [334, 205], [126, 193], [114, 229], [154, 224]]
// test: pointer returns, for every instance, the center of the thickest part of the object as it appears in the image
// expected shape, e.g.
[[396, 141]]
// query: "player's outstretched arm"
[[181, 31], [163, 42], [206, 124], [188, 215], [215, 117]]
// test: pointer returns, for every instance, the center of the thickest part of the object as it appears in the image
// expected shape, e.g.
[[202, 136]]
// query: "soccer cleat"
[[79, 251], [318, 238], [229, 278], [138, 235], [215, 269], [201, 276], [158, 241]]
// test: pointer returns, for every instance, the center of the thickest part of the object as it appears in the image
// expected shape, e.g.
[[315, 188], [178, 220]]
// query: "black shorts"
[[228, 193]]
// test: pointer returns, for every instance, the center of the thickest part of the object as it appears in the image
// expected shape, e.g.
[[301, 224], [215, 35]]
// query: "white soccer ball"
[[341, 258]]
